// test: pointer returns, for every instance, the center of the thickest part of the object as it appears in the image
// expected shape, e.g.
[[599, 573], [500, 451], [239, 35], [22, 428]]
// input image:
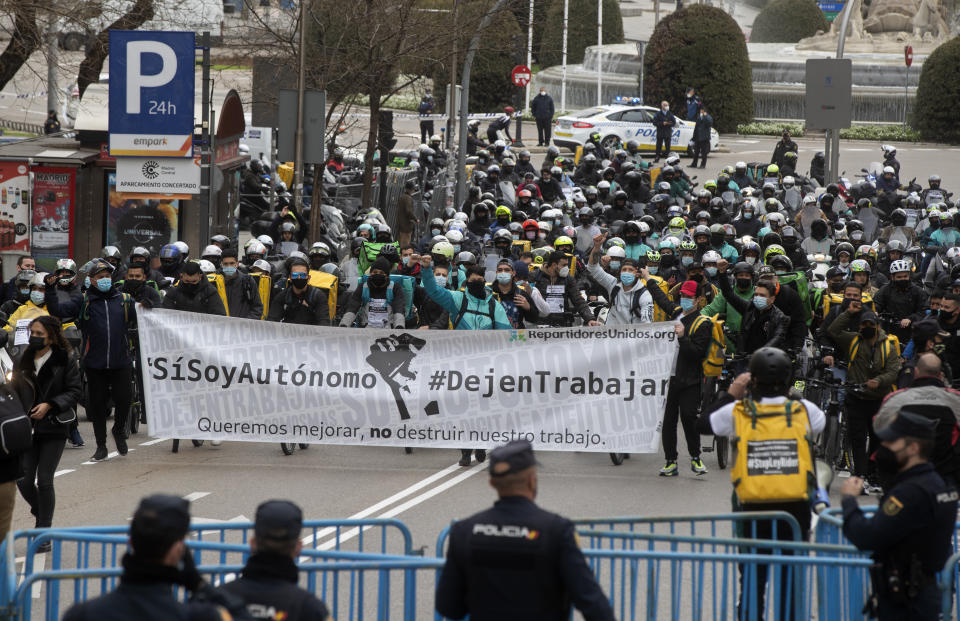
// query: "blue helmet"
[[170, 251]]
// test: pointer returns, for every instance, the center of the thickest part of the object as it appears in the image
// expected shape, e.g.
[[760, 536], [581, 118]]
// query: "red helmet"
[[525, 193], [531, 225], [508, 110]]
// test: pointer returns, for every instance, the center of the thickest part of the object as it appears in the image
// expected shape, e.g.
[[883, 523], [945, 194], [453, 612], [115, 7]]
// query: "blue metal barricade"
[[340, 578]]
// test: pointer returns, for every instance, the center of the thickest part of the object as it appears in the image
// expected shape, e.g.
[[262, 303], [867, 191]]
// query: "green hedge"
[[936, 112], [788, 21], [703, 47], [490, 86], [581, 30], [886, 133]]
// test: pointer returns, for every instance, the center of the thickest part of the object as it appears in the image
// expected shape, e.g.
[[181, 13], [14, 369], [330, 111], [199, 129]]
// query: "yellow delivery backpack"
[[713, 363], [217, 281], [774, 447], [264, 286], [330, 284]]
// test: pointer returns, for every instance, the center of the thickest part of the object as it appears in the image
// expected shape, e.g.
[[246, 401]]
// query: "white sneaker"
[[216, 442]]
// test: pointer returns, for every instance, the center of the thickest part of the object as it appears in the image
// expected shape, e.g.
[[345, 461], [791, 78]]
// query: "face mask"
[[666, 108], [504, 278], [868, 333], [516, 237], [615, 265], [711, 271], [687, 304], [37, 342], [667, 261], [747, 215], [378, 280], [888, 463], [104, 284], [631, 239], [86, 282], [405, 260], [743, 284], [441, 281], [844, 264], [436, 231], [902, 284], [695, 277], [653, 269], [65, 282], [456, 248], [477, 289], [230, 271], [37, 297], [686, 261], [836, 286], [627, 278], [563, 272], [780, 272], [759, 302], [542, 235], [750, 260], [132, 286], [25, 292]]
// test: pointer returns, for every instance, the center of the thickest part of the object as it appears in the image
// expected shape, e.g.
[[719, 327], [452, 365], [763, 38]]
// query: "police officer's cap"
[[512, 457], [280, 520], [160, 515], [907, 422]]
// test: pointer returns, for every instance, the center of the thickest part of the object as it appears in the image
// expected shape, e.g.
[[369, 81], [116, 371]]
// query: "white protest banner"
[[581, 389]]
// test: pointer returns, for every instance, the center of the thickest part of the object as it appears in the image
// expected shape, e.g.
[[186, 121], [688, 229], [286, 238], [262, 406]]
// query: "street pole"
[[465, 102], [298, 137], [599, 52], [452, 93], [832, 150], [206, 143], [563, 80], [52, 52], [526, 93], [906, 94]]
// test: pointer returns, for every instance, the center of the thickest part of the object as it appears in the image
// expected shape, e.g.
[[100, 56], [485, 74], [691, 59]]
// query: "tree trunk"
[[367, 199], [24, 42], [139, 13]]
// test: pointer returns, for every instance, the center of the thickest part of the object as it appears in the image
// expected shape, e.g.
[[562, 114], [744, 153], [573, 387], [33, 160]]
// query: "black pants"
[[786, 575], [924, 607], [426, 130], [682, 402], [36, 486], [663, 140], [863, 443], [543, 132], [701, 149], [102, 383]]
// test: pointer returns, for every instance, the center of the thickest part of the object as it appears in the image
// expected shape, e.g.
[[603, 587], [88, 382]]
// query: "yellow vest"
[[27, 310]]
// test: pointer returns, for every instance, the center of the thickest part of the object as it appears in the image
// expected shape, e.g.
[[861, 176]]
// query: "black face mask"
[[132, 286], [477, 289], [37, 342], [703, 245], [717, 241], [631, 239], [946, 317], [868, 333], [888, 464], [743, 284], [902, 284], [189, 288], [378, 280], [667, 261], [695, 277], [835, 287]]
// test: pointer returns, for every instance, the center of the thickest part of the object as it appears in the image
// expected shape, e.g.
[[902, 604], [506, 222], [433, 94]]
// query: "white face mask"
[[563, 272]]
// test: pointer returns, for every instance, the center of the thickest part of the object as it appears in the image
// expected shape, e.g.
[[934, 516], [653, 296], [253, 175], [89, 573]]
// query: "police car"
[[619, 123]]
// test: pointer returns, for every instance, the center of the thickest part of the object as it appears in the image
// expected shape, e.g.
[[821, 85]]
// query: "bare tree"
[[141, 12], [24, 41]]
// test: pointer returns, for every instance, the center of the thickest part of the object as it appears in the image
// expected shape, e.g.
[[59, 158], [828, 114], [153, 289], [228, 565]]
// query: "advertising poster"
[[53, 201], [144, 220], [14, 207], [585, 389]]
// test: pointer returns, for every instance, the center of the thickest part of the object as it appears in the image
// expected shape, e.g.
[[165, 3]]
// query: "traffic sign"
[[908, 55], [151, 93], [521, 75]]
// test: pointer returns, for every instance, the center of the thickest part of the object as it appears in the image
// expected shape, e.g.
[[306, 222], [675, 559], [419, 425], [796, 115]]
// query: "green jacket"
[[880, 362], [719, 306]]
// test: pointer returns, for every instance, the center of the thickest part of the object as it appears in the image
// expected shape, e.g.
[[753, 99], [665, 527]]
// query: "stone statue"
[[886, 26], [929, 18]]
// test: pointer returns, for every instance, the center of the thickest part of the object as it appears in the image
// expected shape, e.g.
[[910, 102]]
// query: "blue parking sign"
[[151, 93]]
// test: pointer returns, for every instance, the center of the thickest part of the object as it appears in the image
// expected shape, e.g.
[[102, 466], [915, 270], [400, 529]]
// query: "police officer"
[[517, 561], [268, 582], [158, 560], [910, 535]]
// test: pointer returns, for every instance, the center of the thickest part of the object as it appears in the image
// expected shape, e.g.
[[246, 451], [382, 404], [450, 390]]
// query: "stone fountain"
[[875, 42]]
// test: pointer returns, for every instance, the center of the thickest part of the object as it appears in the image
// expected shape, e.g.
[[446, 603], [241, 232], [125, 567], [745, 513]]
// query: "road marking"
[[194, 496], [857, 150], [416, 500], [746, 141], [59, 472], [152, 442], [109, 456], [39, 561]]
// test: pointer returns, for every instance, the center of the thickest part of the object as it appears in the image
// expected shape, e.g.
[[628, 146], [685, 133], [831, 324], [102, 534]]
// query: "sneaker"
[[216, 442], [669, 470], [465, 460], [481, 455], [100, 455], [121, 444], [44, 547], [872, 489], [696, 464]]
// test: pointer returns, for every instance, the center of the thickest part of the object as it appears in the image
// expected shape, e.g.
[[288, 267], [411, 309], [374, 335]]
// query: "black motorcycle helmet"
[[770, 372], [620, 198], [833, 189], [633, 147], [898, 217], [717, 206], [790, 237], [770, 239], [552, 153]]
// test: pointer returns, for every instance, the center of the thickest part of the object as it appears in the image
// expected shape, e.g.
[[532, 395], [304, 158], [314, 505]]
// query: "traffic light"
[[385, 139]]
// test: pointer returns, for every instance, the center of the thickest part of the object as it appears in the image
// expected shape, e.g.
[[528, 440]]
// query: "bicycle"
[[720, 446], [289, 447], [834, 445]]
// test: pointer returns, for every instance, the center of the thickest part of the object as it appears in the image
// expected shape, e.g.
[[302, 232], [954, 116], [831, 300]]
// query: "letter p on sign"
[[136, 80]]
